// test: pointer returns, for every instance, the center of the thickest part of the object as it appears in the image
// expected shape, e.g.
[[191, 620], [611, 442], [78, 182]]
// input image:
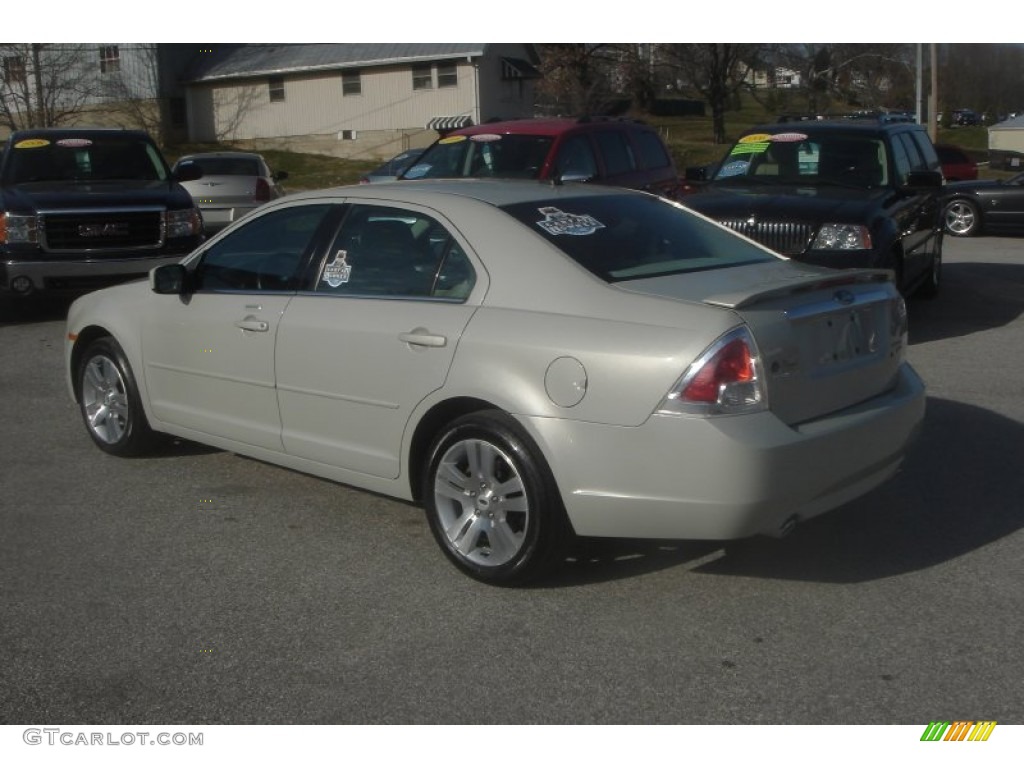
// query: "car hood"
[[790, 202], [37, 196]]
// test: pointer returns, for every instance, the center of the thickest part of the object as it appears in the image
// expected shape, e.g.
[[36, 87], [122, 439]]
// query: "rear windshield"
[[76, 158], [627, 237], [483, 155], [227, 166]]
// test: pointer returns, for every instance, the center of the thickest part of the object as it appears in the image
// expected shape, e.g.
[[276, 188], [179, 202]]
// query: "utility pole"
[[40, 117], [933, 97]]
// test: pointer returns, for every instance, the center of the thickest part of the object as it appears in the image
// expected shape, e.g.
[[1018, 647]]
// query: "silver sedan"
[[528, 361], [232, 185]]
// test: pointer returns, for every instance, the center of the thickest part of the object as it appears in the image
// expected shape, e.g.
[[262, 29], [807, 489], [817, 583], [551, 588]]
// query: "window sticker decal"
[[558, 222], [756, 138], [31, 144], [485, 137], [787, 137], [74, 143], [735, 168], [749, 149], [451, 139], [338, 271]]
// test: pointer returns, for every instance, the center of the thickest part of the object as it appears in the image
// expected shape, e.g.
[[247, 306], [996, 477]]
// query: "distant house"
[[354, 99], [1006, 144]]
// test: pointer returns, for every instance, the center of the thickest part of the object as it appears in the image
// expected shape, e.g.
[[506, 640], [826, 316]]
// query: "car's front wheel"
[[491, 501], [109, 400], [962, 218]]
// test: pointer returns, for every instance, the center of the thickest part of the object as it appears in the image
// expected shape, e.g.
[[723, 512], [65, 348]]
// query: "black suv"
[[843, 193], [84, 208]]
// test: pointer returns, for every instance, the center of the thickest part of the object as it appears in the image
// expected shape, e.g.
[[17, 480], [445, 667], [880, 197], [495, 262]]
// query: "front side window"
[[616, 151], [422, 77], [576, 159], [266, 254], [629, 237], [385, 252]]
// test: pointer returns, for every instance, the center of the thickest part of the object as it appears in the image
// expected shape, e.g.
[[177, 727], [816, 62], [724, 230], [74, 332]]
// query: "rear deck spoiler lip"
[[805, 284]]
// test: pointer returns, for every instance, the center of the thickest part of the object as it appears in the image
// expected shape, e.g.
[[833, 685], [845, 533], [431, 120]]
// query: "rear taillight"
[[725, 379], [262, 190]]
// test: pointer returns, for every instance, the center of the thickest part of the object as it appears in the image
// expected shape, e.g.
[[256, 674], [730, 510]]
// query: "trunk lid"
[[827, 339]]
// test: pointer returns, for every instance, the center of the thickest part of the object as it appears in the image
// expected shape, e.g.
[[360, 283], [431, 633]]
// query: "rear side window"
[[483, 155], [628, 237]]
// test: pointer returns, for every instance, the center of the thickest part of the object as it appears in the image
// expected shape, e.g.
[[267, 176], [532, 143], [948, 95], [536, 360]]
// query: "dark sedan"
[[975, 206]]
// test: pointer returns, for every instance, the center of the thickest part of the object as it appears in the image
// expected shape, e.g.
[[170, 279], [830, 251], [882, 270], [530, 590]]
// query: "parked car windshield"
[[512, 156], [75, 158], [798, 157], [627, 237]]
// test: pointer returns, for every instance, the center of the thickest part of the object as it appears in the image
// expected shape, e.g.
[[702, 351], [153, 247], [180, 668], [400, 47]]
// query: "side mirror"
[[169, 279], [187, 171]]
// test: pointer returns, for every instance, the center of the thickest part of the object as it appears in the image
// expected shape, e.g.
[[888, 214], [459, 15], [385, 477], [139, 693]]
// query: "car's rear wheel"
[[491, 501], [109, 401], [962, 218]]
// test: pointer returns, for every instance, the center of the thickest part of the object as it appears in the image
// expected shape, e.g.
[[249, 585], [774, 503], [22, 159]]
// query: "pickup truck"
[[85, 208]]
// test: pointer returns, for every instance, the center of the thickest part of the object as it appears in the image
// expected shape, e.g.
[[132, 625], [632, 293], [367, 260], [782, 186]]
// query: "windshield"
[[802, 158], [75, 158], [627, 237], [512, 156]]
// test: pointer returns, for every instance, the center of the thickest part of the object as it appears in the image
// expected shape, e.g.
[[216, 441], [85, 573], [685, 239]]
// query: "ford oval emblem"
[[844, 297]]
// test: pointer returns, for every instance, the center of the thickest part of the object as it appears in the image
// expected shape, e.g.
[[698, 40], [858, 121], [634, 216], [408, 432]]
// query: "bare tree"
[[44, 85], [717, 71], [132, 91], [577, 77]]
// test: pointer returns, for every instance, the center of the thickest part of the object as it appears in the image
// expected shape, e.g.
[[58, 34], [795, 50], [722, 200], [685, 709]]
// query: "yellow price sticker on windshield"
[[31, 144]]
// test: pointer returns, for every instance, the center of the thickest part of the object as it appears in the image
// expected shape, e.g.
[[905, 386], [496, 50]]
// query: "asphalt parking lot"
[[201, 587]]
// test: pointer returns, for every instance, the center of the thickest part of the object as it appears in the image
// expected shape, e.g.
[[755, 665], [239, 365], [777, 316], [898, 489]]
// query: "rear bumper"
[[728, 477]]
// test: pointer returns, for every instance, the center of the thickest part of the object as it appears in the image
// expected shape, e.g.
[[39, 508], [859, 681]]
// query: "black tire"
[[108, 398], [961, 218], [492, 503]]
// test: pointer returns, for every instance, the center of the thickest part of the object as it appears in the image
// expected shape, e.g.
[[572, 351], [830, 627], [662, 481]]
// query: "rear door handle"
[[421, 338]]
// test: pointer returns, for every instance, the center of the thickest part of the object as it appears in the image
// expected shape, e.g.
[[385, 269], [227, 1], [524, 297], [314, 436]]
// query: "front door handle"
[[252, 324], [420, 337]]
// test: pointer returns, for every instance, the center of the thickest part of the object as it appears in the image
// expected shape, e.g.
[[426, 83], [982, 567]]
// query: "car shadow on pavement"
[[959, 489], [17, 311], [975, 297]]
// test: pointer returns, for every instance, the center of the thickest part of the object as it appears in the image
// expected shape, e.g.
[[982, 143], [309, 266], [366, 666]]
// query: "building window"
[[422, 77], [110, 59], [447, 76], [14, 69], [351, 83], [276, 87]]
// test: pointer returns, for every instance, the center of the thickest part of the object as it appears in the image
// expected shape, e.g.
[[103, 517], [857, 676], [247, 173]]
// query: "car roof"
[[547, 126], [497, 192], [81, 132], [865, 126]]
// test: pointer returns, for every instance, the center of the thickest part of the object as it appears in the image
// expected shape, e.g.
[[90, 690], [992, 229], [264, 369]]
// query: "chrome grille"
[[786, 237], [106, 230]]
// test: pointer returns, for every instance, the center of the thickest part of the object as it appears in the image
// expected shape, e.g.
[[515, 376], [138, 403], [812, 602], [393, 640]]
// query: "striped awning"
[[449, 123]]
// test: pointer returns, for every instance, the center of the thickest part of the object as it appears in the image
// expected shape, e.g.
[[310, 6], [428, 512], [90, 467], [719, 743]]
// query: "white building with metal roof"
[[354, 99]]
